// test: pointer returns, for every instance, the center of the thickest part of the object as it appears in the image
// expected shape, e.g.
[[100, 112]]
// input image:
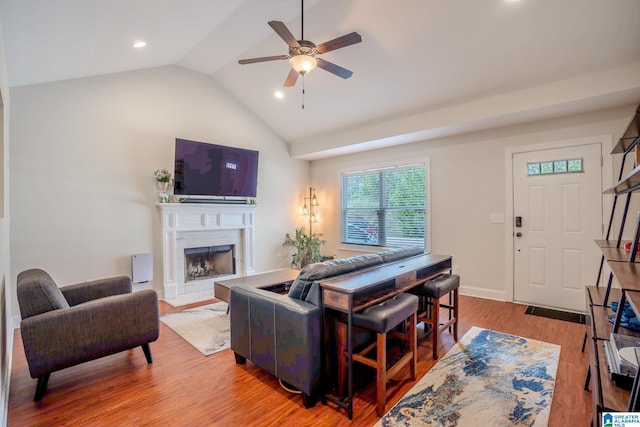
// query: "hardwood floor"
[[184, 388]]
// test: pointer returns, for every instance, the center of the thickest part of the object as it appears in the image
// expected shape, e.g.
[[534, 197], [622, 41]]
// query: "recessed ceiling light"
[[139, 44], [278, 94]]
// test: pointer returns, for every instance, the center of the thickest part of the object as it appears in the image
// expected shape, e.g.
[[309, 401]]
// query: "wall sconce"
[[312, 209]]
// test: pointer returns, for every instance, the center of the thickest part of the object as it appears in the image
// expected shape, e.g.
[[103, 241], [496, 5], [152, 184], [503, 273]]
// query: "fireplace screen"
[[209, 262]]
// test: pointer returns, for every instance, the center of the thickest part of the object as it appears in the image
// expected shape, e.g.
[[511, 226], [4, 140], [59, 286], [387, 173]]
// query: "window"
[[384, 207], [554, 167]]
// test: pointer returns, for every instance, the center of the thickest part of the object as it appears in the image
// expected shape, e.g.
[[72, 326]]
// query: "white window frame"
[[425, 162]]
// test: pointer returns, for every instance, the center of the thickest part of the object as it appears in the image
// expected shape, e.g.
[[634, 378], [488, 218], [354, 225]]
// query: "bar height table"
[[353, 292]]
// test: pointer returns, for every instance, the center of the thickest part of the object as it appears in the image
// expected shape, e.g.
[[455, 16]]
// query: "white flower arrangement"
[[162, 175]]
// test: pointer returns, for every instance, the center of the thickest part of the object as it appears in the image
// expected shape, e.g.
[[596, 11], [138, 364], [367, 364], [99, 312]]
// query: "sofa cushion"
[[38, 293], [395, 254], [321, 270]]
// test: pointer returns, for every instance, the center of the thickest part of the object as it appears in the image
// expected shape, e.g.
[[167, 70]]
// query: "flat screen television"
[[203, 169]]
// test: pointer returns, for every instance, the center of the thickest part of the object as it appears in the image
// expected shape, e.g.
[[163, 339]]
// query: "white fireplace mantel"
[[213, 223]]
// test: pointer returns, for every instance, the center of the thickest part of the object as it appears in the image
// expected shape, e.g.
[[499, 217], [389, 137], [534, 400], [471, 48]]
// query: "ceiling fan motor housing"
[[306, 48]]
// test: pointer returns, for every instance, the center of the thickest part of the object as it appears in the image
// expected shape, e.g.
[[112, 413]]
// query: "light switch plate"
[[496, 218]]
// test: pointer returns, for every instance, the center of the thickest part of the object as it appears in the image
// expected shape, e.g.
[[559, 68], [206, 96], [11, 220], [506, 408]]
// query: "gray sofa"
[[62, 327], [282, 333]]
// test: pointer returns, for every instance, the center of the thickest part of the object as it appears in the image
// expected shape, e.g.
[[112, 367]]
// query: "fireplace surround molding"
[[197, 224]]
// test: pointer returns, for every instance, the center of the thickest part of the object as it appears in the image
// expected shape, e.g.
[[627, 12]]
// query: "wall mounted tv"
[[203, 169]]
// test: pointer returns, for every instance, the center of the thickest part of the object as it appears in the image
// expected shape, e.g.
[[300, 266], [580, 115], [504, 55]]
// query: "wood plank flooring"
[[184, 388]]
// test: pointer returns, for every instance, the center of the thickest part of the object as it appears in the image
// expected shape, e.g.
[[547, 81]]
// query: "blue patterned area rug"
[[488, 378]]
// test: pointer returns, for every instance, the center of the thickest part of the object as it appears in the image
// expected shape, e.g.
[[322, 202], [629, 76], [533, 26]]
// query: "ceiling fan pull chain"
[[303, 91]]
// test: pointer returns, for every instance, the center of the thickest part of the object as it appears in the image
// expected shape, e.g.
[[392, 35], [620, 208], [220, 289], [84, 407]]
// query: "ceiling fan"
[[303, 54]]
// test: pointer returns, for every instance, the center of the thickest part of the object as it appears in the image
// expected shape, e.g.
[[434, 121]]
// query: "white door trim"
[[607, 182]]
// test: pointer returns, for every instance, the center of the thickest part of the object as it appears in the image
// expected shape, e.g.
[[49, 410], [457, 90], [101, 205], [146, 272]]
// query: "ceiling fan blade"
[[284, 32], [263, 59], [346, 40], [333, 68], [292, 77]]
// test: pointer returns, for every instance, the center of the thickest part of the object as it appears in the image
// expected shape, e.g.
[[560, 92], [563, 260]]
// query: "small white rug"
[[190, 298], [206, 328]]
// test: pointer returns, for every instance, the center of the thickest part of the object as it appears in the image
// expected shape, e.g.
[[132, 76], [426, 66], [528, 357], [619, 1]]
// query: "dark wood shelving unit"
[[630, 135], [625, 269], [617, 255], [596, 295], [629, 183], [606, 243], [627, 274], [634, 301]]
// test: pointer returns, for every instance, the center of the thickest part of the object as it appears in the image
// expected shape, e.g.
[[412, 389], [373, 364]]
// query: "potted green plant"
[[307, 247]]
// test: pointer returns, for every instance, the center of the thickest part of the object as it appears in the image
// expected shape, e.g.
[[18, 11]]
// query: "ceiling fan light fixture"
[[303, 63]]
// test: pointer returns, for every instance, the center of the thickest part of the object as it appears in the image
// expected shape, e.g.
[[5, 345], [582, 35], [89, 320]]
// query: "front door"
[[558, 214]]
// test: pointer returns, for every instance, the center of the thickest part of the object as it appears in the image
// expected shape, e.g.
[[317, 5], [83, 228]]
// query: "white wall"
[[467, 185], [82, 167], [5, 309]]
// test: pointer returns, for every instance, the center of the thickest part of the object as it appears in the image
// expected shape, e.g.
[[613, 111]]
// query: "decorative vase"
[[163, 195]]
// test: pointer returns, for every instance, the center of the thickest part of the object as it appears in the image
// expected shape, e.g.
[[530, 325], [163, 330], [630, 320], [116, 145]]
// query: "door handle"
[[518, 234]]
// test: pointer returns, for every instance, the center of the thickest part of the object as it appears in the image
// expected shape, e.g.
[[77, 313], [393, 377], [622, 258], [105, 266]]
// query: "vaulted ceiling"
[[425, 68]]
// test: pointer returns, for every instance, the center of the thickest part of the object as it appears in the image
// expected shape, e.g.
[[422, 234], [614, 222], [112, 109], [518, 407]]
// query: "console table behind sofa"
[[353, 292]]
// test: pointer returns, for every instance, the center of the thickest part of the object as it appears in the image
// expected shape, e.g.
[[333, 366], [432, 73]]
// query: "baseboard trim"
[[471, 291], [15, 323], [4, 416]]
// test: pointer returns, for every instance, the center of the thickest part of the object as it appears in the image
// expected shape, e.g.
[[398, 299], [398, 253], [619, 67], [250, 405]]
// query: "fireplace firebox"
[[209, 262]]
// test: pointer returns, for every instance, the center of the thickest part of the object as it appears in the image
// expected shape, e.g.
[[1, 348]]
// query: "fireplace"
[[209, 262], [218, 238]]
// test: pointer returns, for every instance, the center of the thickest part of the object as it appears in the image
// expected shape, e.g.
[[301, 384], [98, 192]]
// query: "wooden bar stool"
[[433, 290], [383, 318]]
